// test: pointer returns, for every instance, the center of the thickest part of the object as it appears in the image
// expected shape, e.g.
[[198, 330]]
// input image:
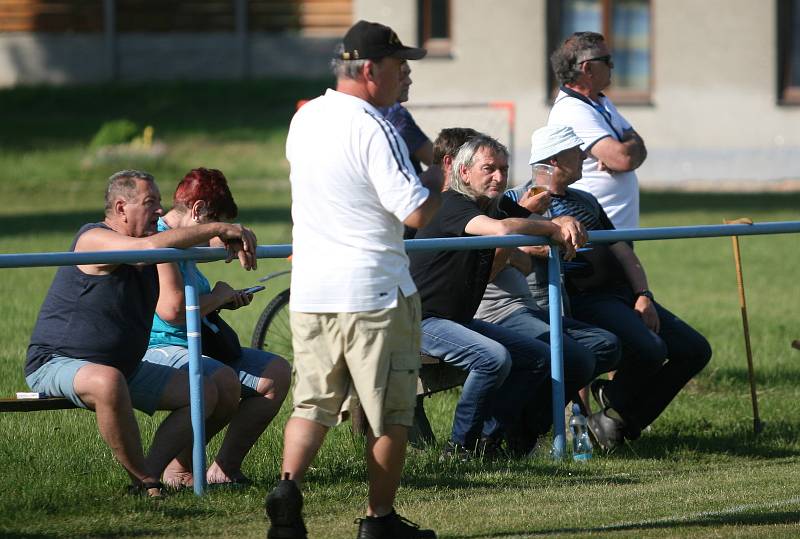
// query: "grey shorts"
[[56, 378], [146, 385]]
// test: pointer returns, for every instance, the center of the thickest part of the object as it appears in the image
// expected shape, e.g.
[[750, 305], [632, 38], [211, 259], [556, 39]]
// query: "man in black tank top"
[[94, 325]]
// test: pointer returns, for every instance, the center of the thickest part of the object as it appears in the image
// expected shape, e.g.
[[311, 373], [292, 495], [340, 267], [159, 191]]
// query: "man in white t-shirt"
[[582, 65], [355, 311]]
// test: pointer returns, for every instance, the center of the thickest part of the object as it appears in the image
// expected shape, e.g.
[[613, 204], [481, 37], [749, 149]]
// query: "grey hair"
[[466, 158], [346, 69], [566, 59], [123, 184]]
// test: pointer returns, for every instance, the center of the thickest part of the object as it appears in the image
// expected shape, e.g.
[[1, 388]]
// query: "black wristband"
[[646, 293]]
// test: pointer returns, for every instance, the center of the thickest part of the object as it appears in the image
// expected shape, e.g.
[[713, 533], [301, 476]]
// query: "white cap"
[[552, 139]]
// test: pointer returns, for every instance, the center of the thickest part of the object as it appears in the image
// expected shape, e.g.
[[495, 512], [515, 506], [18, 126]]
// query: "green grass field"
[[699, 471]]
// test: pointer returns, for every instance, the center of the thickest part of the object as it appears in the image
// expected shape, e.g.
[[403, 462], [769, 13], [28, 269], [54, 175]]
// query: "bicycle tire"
[[273, 332]]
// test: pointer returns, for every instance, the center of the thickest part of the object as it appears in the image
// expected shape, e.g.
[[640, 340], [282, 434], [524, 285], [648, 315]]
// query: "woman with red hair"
[[263, 380]]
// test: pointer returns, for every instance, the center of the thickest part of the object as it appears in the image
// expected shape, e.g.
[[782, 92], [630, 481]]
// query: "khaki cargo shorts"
[[372, 356]]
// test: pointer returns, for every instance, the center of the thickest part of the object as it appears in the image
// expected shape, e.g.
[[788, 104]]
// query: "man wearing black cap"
[[355, 312]]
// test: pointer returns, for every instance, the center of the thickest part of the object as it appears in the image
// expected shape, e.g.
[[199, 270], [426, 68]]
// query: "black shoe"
[[391, 526], [285, 511], [486, 449], [606, 431], [490, 449], [453, 451], [599, 392]]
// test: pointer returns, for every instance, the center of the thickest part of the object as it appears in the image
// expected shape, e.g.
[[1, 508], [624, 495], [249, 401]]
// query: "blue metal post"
[[196, 384], [556, 352]]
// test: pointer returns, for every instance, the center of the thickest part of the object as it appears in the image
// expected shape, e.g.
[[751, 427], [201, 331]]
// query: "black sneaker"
[[285, 511], [453, 451], [490, 449], [391, 526], [606, 430]]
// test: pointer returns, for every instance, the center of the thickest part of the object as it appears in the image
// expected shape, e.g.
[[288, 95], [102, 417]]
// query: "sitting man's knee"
[[501, 364], [701, 354], [100, 384]]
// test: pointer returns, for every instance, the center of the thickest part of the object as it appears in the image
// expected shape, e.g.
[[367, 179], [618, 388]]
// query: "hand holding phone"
[[253, 289]]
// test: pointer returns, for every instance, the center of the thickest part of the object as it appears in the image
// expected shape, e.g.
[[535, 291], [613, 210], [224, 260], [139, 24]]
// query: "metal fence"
[[450, 244]]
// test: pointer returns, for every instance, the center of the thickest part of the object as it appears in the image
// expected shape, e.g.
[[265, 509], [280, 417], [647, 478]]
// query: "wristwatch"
[[646, 293]]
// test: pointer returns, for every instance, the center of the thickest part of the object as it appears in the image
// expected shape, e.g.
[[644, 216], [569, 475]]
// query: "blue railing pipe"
[[153, 256], [556, 351], [196, 398]]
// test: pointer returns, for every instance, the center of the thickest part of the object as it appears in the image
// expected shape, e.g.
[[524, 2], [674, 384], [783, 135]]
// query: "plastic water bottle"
[[581, 445]]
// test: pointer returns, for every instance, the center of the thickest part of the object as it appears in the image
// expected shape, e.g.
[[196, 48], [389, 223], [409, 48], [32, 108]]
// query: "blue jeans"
[[654, 367], [588, 351], [507, 371]]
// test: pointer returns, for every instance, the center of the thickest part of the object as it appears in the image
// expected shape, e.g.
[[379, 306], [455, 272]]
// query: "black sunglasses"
[[605, 59]]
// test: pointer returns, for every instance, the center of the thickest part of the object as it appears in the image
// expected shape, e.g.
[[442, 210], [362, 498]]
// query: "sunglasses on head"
[[606, 59]]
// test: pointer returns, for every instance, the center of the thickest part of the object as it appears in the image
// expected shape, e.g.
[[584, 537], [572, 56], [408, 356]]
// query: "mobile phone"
[[253, 289]]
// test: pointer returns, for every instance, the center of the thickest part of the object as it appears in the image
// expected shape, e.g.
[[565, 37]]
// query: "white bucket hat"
[[552, 139]]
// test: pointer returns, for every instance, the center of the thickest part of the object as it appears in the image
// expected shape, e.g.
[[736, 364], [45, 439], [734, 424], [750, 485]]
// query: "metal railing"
[[450, 244]]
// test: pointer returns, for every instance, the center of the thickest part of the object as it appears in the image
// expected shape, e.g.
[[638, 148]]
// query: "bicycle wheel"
[[273, 332]]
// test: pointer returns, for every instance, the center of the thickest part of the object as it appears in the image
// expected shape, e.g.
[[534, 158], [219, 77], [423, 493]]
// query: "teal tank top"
[[164, 333]]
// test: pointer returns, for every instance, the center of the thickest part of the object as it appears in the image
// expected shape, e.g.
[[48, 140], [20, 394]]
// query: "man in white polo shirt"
[[614, 150], [355, 311]]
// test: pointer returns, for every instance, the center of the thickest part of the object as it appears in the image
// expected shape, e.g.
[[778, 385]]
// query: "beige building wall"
[[713, 115]]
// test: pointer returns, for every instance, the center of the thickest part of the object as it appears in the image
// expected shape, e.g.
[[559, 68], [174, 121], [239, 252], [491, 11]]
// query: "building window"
[[789, 52], [626, 25], [434, 26]]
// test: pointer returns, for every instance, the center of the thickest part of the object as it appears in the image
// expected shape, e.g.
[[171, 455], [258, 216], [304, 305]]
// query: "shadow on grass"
[[734, 204], [770, 444], [711, 519], [70, 222], [767, 376]]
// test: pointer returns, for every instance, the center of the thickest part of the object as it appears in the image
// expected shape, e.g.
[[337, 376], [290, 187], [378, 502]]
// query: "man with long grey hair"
[[507, 371]]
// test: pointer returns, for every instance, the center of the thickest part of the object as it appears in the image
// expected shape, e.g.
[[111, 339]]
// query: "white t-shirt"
[[618, 193], [353, 185]]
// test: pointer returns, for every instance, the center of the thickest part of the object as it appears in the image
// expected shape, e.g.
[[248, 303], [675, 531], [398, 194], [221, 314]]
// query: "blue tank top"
[[103, 319]]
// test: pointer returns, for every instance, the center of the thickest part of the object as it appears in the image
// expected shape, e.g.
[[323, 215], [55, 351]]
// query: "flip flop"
[[238, 481], [145, 488]]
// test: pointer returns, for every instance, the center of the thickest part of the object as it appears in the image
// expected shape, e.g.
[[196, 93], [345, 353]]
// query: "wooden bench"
[[434, 376], [35, 405]]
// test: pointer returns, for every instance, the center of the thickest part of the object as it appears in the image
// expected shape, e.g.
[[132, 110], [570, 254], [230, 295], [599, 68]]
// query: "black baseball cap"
[[370, 40]]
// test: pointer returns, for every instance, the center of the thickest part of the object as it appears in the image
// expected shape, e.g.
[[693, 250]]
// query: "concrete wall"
[[713, 115], [84, 58]]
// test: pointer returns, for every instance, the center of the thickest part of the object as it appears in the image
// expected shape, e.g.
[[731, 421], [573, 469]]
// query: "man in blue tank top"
[[94, 325]]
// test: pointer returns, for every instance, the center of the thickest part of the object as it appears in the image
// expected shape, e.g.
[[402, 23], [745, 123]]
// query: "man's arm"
[[638, 280], [623, 156], [514, 256], [240, 241], [432, 179], [566, 231]]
